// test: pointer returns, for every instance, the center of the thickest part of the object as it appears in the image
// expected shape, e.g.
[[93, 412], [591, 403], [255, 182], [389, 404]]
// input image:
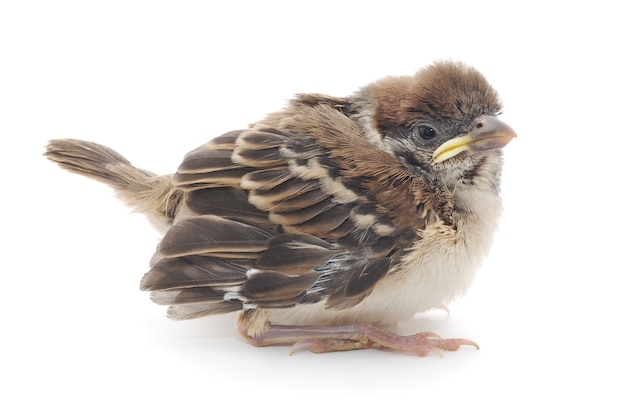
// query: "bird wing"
[[300, 208]]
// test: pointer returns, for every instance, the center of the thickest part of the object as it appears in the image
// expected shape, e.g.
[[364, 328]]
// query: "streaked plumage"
[[330, 217]]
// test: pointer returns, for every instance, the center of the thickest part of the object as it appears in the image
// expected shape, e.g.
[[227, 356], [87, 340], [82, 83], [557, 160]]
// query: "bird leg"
[[322, 338]]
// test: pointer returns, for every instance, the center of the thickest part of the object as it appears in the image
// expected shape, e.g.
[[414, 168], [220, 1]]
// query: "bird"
[[325, 224]]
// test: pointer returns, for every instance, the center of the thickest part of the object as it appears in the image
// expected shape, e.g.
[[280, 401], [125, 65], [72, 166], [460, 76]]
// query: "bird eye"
[[427, 132]]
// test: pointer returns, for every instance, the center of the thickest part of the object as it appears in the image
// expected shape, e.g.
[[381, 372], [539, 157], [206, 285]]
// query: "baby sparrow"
[[331, 219]]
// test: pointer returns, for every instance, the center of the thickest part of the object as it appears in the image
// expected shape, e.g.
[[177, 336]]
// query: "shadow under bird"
[[326, 223]]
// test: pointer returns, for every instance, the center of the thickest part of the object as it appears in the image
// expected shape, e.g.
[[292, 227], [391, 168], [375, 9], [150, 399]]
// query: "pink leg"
[[321, 339]]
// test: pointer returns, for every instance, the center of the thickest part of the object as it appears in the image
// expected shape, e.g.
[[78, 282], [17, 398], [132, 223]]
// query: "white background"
[[155, 79]]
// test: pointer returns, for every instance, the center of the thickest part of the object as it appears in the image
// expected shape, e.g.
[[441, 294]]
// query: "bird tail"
[[143, 191]]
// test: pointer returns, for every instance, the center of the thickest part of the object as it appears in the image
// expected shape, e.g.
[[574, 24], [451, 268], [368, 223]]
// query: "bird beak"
[[488, 134]]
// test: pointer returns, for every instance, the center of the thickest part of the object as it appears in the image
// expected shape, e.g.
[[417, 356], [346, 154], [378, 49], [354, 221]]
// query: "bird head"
[[443, 120]]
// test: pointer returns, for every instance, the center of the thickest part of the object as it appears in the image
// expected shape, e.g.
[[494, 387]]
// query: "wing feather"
[[226, 202], [208, 234], [202, 309], [193, 272], [280, 214]]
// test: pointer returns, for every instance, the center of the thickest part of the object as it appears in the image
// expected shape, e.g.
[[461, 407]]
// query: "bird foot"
[[321, 339]]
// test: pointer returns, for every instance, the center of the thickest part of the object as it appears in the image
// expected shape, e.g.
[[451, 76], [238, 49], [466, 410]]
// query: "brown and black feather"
[[299, 208]]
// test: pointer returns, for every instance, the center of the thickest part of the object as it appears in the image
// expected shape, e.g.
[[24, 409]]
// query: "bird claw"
[[322, 339], [421, 344], [320, 346]]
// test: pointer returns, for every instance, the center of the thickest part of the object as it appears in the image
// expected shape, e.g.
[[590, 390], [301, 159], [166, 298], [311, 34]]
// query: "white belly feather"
[[439, 270]]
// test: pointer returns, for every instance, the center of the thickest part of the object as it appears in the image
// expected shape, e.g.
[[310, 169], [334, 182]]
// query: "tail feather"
[[143, 191]]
